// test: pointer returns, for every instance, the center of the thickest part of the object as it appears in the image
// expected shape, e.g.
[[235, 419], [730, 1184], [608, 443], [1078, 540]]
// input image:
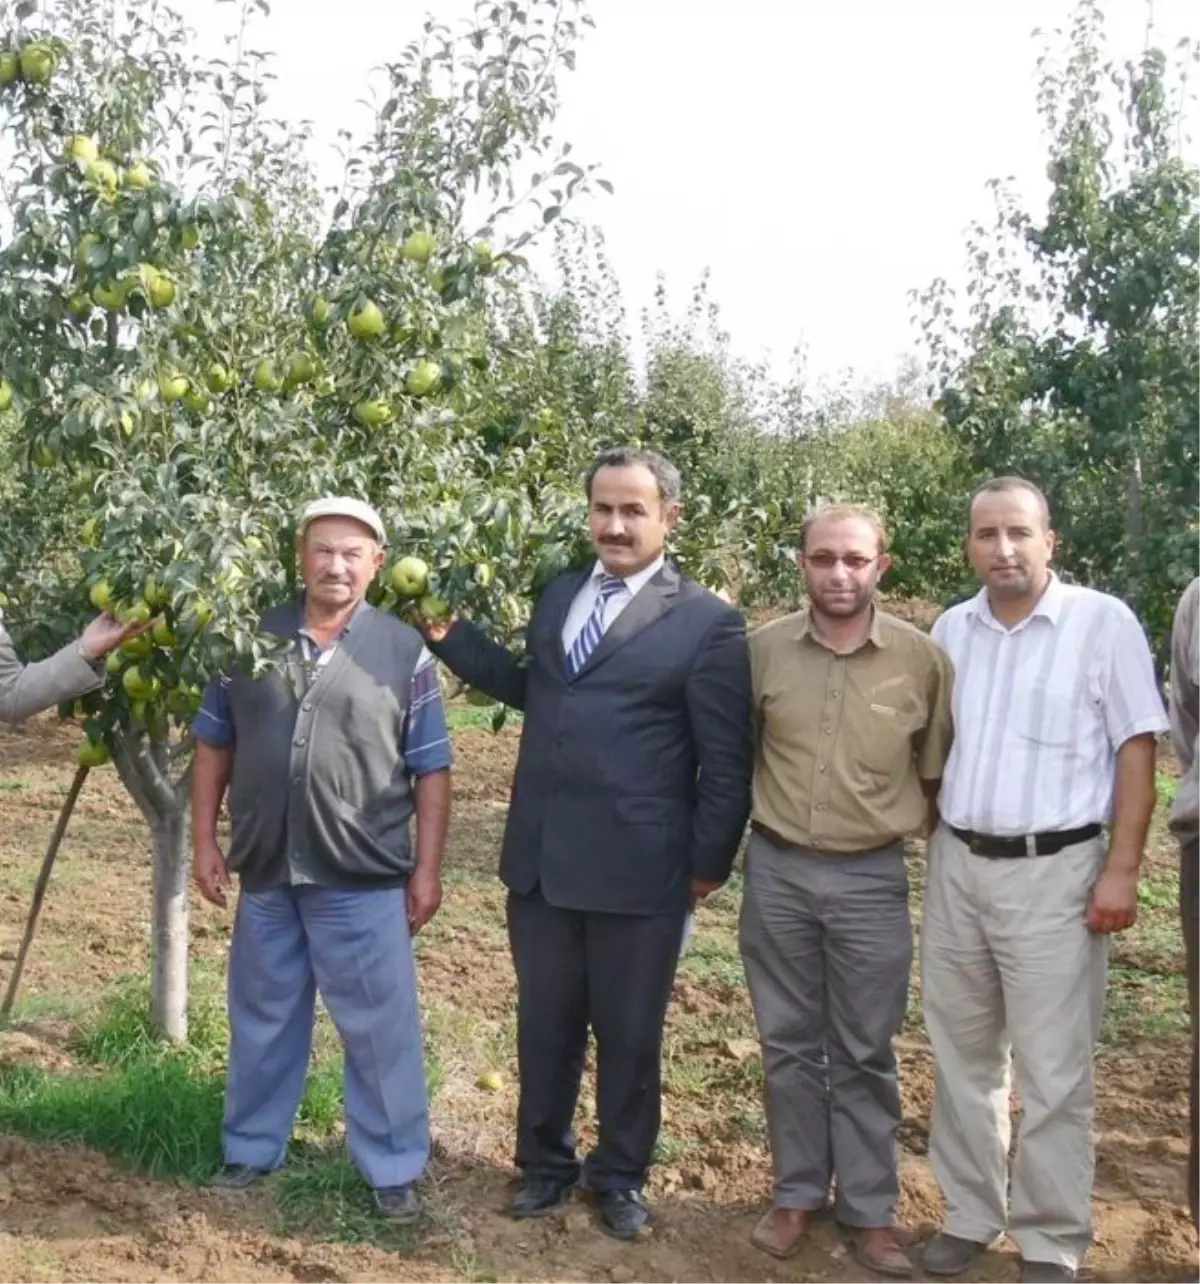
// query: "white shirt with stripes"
[[584, 601], [1041, 709]]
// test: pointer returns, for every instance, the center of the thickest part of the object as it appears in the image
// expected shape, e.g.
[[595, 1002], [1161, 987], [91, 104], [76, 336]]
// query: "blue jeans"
[[353, 945]]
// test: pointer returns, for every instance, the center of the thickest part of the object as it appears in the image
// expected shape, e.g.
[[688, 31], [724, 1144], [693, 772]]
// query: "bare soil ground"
[[67, 1213]]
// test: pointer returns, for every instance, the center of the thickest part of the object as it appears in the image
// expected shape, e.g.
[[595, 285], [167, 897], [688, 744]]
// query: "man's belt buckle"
[[979, 846]]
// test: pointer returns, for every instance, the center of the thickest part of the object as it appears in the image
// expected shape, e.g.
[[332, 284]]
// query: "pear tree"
[[196, 338]]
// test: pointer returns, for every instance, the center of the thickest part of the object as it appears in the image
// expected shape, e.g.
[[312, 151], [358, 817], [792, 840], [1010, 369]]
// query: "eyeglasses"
[[853, 562]]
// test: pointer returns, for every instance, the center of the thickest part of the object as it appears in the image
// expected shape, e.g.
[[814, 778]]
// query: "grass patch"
[[153, 1105], [1143, 1005], [459, 716], [1159, 892], [326, 1197], [471, 1041], [159, 1114], [158, 1108], [22, 878], [669, 1149], [1166, 787], [32, 1006], [713, 958], [118, 1033], [321, 1106]]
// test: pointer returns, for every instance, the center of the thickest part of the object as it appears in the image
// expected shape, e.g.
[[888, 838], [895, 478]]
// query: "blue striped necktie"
[[593, 629]]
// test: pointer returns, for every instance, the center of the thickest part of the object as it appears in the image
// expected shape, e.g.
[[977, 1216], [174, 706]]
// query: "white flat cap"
[[344, 506]]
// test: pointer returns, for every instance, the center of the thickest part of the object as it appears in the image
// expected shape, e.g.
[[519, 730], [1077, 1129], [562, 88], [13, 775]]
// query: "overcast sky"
[[822, 157]]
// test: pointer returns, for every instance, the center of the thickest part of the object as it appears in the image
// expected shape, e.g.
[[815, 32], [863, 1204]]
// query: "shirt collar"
[[302, 628], [875, 634], [1048, 606], [632, 582]]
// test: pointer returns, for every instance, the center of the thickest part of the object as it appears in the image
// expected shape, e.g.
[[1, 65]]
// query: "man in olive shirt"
[[852, 712]]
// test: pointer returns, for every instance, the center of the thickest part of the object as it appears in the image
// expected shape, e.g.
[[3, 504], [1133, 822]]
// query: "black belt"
[[776, 840], [786, 844], [1025, 844]]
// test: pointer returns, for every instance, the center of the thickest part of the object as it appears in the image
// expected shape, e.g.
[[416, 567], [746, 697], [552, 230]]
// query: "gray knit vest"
[[319, 792]]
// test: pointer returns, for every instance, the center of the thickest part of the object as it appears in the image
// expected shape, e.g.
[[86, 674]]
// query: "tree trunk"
[[169, 975], [1133, 531], [144, 766]]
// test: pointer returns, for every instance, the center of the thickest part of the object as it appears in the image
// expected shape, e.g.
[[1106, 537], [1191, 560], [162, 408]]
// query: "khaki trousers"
[[1010, 973]]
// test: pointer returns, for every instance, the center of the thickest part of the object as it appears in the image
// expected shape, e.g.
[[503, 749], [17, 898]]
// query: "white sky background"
[[822, 157]]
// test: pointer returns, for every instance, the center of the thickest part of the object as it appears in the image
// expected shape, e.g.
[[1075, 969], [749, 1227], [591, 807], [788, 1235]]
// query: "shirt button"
[[829, 731], [297, 780], [307, 706], [834, 694], [300, 742], [820, 806], [821, 767]]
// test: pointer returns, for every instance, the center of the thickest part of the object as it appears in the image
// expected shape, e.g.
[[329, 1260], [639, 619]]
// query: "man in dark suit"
[[630, 797]]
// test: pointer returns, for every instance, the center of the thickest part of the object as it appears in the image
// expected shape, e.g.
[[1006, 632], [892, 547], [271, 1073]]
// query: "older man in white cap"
[[326, 759]]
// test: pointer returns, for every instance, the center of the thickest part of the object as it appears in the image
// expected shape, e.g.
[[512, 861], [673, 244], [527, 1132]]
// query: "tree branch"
[[131, 778], [150, 787], [182, 748]]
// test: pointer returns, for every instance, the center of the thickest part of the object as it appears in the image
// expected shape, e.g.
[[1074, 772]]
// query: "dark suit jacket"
[[634, 776]]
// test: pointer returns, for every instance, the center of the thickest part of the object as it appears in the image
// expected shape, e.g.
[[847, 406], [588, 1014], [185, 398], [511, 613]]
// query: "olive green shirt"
[[843, 741]]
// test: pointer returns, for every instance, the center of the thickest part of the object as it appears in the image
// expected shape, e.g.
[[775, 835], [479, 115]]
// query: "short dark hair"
[[997, 485], [670, 485], [862, 512]]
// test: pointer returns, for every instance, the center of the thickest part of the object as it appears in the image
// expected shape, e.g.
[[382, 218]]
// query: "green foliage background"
[[1070, 356]]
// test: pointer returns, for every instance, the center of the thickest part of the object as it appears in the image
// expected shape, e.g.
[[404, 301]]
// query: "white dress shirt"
[[1041, 709], [584, 602]]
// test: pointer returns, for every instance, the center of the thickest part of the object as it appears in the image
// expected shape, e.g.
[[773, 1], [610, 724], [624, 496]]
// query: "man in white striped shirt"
[[1056, 712]]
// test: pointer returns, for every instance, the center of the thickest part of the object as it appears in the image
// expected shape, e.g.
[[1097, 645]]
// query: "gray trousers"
[[827, 944]]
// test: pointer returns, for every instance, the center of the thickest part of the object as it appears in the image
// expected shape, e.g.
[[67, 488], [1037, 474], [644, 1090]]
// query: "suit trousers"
[[826, 941], [1010, 972], [612, 972], [353, 945], [1189, 907]]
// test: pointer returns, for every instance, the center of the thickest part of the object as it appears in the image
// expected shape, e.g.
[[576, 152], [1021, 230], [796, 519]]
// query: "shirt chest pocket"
[[1043, 717], [882, 722]]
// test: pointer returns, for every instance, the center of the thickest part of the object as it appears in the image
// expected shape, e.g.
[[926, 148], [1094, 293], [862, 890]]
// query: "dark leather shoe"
[[233, 1177], [623, 1212], [881, 1250], [949, 1254], [539, 1196], [398, 1204], [781, 1231]]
